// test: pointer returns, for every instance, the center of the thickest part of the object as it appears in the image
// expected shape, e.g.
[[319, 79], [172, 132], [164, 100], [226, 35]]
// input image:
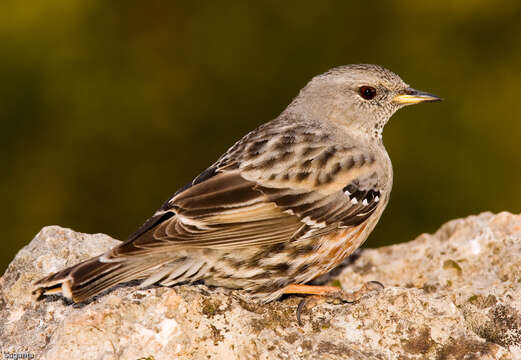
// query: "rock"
[[451, 295]]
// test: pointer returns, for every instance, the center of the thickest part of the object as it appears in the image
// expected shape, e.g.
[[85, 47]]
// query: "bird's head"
[[361, 96]]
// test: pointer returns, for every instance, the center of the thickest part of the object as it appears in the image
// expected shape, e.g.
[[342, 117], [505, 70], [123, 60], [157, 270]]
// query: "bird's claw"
[[308, 303], [336, 297]]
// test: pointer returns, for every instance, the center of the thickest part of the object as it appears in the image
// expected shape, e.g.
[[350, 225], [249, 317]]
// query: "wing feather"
[[240, 201], [259, 216]]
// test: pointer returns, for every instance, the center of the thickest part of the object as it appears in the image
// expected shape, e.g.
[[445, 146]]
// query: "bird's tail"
[[88, 278]]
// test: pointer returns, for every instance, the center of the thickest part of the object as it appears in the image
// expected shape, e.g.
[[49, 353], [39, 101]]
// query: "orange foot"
[[321, 294]]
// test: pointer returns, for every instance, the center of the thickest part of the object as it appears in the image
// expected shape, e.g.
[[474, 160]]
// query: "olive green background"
[[107, 107]]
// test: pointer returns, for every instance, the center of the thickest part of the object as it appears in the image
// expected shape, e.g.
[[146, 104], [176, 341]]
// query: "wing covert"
[[268, 188]]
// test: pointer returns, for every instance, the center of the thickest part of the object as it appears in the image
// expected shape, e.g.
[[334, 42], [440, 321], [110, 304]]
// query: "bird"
[[285, 204]]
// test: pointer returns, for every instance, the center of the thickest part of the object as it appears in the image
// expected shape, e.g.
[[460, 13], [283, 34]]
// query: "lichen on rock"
[[450, 295]]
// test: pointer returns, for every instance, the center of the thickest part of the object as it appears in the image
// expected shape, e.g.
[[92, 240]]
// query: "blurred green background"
[[109, 106]]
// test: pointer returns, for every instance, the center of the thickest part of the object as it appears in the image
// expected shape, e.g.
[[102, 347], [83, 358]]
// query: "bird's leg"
[[321, 294], [333, 292]]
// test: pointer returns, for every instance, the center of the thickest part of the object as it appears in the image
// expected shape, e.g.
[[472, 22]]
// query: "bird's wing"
[[274, 190]]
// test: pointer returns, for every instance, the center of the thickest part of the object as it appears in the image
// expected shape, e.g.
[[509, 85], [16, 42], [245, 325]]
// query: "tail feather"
[[88, 278]]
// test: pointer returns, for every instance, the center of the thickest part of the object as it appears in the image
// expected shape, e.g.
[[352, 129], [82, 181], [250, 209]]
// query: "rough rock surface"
[[452, 295]]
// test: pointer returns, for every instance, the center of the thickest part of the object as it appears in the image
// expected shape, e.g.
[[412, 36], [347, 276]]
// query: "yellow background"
[[107, 107]]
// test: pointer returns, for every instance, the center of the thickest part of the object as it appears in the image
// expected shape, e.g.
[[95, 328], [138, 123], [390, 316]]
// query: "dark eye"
[[367, 92]]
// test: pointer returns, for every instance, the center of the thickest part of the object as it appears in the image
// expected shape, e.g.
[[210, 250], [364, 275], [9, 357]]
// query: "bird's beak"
[[412, 96]]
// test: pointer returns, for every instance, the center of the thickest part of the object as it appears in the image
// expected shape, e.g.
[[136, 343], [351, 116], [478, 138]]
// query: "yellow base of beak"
[[413, 96]]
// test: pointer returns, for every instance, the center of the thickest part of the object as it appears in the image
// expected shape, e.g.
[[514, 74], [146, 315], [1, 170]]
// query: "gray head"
[[360, 96]]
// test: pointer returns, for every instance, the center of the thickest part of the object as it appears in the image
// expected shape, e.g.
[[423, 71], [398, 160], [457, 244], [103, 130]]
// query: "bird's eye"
[[367, 92]]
